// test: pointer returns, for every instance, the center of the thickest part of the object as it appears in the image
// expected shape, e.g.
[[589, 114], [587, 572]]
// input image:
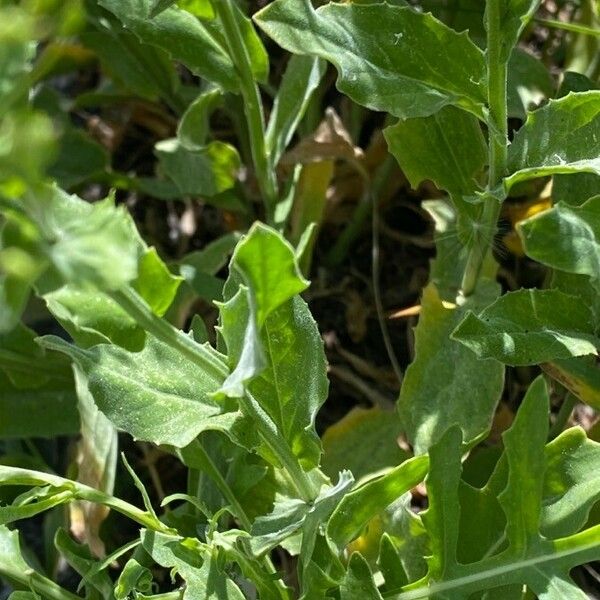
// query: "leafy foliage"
[[402, 504]]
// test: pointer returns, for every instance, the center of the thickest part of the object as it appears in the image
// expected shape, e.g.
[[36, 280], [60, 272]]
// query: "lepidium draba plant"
[[240, 414]]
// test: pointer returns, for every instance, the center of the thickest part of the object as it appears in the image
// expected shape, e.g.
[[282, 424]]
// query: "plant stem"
[[205, 463], [253, 108], [485, 228], [130, 301], [134, 305], [270, 435]]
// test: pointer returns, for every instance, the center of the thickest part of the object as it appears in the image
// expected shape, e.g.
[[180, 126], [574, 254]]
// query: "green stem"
[[270, 435], [485, 228], [574, 27], [134, 305], [205, 463], [253, 108]]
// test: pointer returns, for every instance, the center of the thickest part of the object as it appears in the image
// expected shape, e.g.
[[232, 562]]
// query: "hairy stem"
[[253, 108], [485, 228]]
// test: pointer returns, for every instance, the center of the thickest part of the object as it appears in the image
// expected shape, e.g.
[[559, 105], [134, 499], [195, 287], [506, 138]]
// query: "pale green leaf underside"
[[562, 137], [389, 58], [566, 238], [530, 327]]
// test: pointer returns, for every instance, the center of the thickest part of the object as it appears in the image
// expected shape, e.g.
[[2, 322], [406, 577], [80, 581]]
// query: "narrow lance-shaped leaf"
[[442, 517], [566, 238], [367, 501], [524, 442], [301, 78], [561, 137], [96, 461], [530, 327], [412, 68]]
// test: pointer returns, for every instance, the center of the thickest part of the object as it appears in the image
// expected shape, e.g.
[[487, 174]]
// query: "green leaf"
[[529, 83], [526, 557], [193, 128], [561, 137], [199, 268], [524, 443], [358, 581], [145, 70], [447, 384], [566, 238], [81, 560], [575, 189], [28, 148], [195, 563], [442, 517], [283, 366], [268, 266], [447, 148], [79, 159], [14, 567], [581, 376], [91, 318], [290, 515], [253, 46], [87, 244], [416, 67], [300, 80], [367, 501], [514, 16], [571, 486], [204, 171], [529, 327], [155, 395], [184, 37], [155, 283], [364, 441], [133, 577], [46, 411], [16, 34]]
